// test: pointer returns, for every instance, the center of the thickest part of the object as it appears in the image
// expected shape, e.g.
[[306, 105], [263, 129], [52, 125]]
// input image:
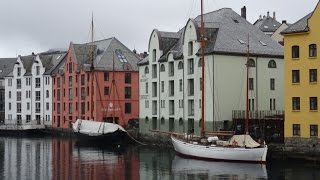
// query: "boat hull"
[[241, 154]]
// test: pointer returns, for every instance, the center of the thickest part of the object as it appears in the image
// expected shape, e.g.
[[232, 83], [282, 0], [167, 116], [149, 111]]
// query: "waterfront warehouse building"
[[83, 88], [28, 90], [302, 89], [170, 77]]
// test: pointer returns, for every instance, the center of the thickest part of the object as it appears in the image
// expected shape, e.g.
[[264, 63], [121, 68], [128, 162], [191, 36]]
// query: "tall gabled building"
[[267, 24], [83, 88], [28, 90], [170, 77], [302, 89]]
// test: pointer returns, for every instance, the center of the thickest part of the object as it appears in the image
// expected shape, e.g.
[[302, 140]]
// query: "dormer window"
[[190, 48], [19, 71], [38, 70]]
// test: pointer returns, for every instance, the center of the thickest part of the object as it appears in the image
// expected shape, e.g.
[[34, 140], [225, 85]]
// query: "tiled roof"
[[27, 62], [299, 26], [6, 66], [144, 61], [50, 61]]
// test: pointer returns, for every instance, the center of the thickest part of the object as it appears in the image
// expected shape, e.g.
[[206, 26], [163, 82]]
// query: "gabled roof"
[[267, 24], [50, 61], [144, 61], [300, 26], [27, 62], [6, 66]]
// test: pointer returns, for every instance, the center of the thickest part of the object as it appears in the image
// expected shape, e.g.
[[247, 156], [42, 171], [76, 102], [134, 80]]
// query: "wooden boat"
[[237, 148]]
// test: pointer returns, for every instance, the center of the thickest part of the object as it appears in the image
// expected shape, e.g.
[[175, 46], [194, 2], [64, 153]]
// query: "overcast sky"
[[28, 26]]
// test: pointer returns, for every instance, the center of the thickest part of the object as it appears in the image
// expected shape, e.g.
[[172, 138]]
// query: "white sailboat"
[[238, 148]]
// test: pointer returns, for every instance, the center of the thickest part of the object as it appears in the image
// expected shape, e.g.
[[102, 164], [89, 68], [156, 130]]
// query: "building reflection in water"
[[72, 162], [25, 159]]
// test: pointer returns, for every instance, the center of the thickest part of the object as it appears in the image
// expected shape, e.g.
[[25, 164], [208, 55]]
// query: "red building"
[[83, 85]]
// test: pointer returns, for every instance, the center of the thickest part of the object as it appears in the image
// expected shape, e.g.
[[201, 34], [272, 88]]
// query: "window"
[[295, 76], [18, 107], [47, 106], [70, 81], [171, 68], [146, 103], [272, 104], [70, 108], [28, 81], [162, 68], [162, 86], [9, 82], [190, 87], [47, 94], [37, 82], [38, 107], [200, 62], [312, 50], [171, 124], [313, 130], [296, 103], [70, 67], [171, 88], [58, 82], [296, 129], [200, 84], [154, 71], [154, 89], [251, 84], [58, 108], [251, 63], [313, 103], [180, 85], [38, 95], [83, 107], [147, 88], [191, 107], [9, 106], [70, 94], [28, 118], [83, 93], [162, 104], [251, 104], [127, 92], [154, 55], [37, 70], [127, 78], [127, 108], [18, 71], [18, 83], [313, 75], [295, 51], [28, 106], [190, 48], [19, 96], [180, 65], [171, 107], [58, 95], [106, 90], [154, 108], [146, 70], [181, 103], [272, 84], [190, 66], [82, 80], [272, 64], [9, 94]]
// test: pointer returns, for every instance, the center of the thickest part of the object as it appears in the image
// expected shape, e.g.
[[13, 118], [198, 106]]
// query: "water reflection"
[[197, 169]]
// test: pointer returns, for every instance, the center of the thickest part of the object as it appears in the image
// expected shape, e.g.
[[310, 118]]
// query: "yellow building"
[[302, 82]]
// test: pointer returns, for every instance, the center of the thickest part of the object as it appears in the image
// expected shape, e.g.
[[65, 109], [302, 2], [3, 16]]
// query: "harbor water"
[[64, 159]]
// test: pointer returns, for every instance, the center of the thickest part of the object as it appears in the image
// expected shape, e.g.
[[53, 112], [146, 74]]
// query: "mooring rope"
[[136, 140]]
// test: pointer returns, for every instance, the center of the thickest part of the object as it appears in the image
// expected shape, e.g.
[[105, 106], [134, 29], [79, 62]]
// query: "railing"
[[267, 114]]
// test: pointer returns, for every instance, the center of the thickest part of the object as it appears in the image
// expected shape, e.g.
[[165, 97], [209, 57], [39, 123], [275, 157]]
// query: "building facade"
[[28, 90], [108, 91], [301, 80], [170, 77]]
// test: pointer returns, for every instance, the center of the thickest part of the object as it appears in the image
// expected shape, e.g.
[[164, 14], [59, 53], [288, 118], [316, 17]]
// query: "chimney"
[[244, 12], [268, 14], [264, 16], [260, 17], [284, 21], [274, 15]]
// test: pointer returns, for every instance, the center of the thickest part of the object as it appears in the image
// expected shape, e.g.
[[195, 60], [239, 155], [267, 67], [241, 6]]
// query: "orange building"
[[83, 85]]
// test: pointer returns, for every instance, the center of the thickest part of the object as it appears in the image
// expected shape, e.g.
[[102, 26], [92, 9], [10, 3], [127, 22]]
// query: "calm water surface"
[[63, 159]]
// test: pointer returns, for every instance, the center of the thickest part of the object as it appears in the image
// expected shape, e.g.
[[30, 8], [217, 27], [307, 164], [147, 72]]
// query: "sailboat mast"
[[113, 86], [92, 68], [202, 63], [247, 90]]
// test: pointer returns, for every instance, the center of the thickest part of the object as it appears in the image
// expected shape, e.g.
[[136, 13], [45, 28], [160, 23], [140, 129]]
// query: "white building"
[[170, 92], [28, 90]]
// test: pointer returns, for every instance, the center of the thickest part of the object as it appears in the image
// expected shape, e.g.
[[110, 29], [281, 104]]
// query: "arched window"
[[251, 63], [295, 51], [162, 120], [200, 122], [180, 65], [47, 93], [272, 64], [147, 119], [312, 50], [200, 62], [180, 122], [162, 68], [146, 70]]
